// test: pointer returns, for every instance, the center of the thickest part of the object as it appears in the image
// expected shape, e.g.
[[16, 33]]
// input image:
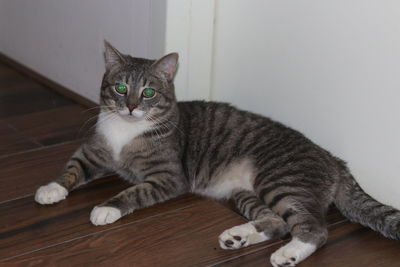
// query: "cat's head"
[[138, 88]]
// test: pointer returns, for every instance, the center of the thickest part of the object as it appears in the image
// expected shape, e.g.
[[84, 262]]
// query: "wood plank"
[[29, 226], [21, 174], [45, 81], [2, 65], [348, 244], [55, 126], [32, 99], [185, 237], [21, 95], [8, 75], [6, 70], [353, 244], [12, 142]]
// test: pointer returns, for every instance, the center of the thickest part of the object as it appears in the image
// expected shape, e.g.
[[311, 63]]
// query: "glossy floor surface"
[[40, 129]]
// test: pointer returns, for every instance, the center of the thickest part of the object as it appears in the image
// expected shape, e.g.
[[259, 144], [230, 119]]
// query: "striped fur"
[[279, 179]]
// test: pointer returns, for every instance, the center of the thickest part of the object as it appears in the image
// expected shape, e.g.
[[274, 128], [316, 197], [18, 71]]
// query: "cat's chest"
[[118, 132]]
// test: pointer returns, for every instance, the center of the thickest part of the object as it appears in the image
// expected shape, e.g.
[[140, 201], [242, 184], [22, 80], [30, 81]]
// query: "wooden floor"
[[40, 129]]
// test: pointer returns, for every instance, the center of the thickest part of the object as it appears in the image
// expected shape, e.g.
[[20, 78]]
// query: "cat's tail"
[[359, 207]]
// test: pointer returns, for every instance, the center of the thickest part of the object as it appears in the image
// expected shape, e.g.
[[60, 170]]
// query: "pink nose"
[[131, 107]]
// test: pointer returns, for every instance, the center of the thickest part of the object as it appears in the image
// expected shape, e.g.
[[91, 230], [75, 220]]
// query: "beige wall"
[[328, 68], [63, 40]]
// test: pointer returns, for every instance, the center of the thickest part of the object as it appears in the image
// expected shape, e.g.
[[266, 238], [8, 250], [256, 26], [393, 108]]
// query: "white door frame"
[[189, 31]]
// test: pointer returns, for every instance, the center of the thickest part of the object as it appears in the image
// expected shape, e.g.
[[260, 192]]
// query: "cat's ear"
[[166, 66], [112, 56]]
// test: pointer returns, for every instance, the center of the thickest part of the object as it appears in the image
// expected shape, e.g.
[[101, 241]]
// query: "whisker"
[[156, 121], [97, 107]]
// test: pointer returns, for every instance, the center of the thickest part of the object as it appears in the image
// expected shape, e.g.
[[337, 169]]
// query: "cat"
[[279, 180]]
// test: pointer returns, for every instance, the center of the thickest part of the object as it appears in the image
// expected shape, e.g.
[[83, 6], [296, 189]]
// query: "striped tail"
[[359, 207]]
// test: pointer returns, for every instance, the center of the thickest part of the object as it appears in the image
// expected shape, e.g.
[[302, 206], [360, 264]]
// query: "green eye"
[[121, 88], [148, 92]]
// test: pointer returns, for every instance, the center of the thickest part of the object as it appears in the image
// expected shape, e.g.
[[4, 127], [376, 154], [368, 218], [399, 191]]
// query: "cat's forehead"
[[134, 64], [130, 76], [135, 70]]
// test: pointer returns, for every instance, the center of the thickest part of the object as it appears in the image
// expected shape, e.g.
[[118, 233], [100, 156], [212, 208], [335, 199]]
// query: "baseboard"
[[47, 82]]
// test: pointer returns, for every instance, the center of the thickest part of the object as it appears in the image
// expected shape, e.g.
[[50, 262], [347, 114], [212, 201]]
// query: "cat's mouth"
[[136, 113]]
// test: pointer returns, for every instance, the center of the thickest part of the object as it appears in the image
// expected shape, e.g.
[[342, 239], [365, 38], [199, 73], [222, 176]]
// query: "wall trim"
[[52, 85]]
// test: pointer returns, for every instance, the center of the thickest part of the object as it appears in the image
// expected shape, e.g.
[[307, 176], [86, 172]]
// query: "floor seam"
[[41, 148], [95, 233]]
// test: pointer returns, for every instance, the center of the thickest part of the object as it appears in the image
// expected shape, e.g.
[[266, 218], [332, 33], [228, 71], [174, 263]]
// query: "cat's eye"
[[121, 88], [148, 92]]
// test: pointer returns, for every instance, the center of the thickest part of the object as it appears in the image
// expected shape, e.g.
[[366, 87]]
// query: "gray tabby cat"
[[281, 181]]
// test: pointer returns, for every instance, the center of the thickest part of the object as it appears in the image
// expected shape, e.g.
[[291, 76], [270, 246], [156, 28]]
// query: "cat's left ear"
[[166, 66]]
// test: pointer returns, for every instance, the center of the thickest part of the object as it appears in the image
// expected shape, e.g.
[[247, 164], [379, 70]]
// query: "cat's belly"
[[236, 176]]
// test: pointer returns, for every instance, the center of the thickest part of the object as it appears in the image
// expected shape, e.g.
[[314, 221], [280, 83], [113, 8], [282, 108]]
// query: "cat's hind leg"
[[263, 223], [308, 231]]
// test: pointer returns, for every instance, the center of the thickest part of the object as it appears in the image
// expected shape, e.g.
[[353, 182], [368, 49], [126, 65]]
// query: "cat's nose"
[[131, 107]]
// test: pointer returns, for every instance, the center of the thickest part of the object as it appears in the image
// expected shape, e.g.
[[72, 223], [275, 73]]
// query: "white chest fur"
[[119, 132]]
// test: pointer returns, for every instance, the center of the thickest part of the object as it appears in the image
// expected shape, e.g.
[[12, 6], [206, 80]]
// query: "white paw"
[[282, 258], [241, 236], [292, 253], [104, 215], [51, 193]]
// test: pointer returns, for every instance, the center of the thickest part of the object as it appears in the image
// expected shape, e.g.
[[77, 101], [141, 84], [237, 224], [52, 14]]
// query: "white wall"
[[328, 68], [63, 39]]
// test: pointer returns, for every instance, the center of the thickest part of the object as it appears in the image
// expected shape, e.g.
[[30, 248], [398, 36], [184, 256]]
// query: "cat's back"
[[212, 129], [208, 118], [215, 133]]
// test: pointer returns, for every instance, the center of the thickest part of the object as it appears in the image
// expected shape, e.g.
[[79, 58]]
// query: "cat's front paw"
[[104, 215], [51, 193]]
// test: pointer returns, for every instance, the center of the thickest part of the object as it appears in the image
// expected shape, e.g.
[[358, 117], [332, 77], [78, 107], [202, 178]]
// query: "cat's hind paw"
[[51, 193], [292, 253], [104, 215], [241, 236]]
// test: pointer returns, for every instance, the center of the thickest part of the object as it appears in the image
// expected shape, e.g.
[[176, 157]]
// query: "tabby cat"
[[281, 181]]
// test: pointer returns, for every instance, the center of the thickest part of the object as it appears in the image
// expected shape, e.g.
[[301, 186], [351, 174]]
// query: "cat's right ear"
[[112, 56], [166, 66]]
